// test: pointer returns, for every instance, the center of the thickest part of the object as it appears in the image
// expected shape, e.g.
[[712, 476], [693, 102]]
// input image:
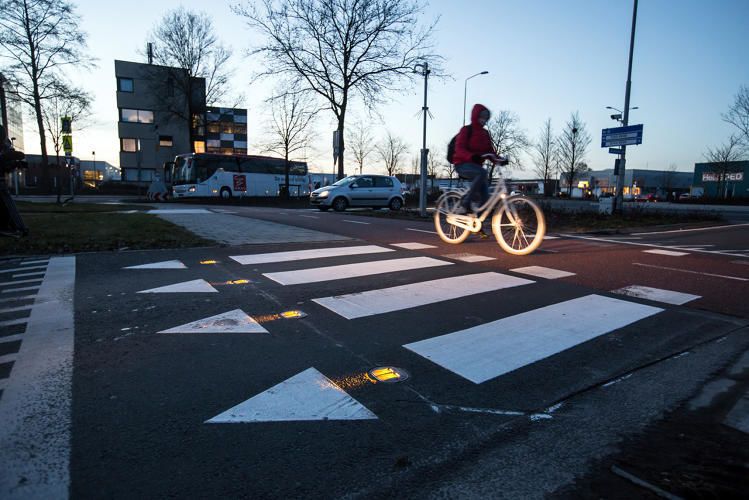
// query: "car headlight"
[[324, 194], [192, 189]]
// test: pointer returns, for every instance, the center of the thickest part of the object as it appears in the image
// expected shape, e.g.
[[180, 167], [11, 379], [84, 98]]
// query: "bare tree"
[[362, 144], [738, 113], [391, 151], [434, 165], [722, 157], [449, 170], [341, 49], [40, 38], [507, 136], [187, 40], [572, 146], [668, 178], [545, 156], [290, 127], [67, 101]]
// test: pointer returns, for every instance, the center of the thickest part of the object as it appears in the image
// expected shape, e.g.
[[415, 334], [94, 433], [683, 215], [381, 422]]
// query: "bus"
[[214, 175]]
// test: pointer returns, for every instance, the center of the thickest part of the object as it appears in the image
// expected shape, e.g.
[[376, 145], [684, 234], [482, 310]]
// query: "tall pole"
[[424, 151], [465, 94], [619, 204]]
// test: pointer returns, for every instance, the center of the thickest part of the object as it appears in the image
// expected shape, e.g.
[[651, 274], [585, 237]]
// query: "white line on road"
[[670, 253], [15, 309], [543, 272], [355, 221], [358, 305], [421, 230], [28, 274], [487, 351], [468, 257], [315, 253], [412, 245], [691, 272], [21, 282], [8, 358], [21, 269], [657, 294], [730, 226], [3, 383], [14, 299], [309, 216], [714, 252], [346, 271], [14, 322], [30, 262], [11, 338], [24, 289], [36, 405]]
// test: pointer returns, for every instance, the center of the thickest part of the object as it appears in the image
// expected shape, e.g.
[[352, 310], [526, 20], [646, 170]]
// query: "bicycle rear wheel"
[[519, 225], [446, 231]]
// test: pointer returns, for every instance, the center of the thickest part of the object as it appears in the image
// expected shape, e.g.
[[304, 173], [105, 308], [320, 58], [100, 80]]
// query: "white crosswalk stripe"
[[468, 257], [358, 305], [542, 272], [315, 253], [345, 271], [657, 294]]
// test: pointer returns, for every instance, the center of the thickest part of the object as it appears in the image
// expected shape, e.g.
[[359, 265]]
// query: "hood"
[[477, 109]]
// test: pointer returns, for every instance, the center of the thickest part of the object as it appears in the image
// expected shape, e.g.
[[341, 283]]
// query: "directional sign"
[[621, 136], [615, 151], [67, 143]]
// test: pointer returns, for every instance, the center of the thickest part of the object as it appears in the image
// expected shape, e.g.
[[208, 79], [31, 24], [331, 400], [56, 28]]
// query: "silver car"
[[359, 191]]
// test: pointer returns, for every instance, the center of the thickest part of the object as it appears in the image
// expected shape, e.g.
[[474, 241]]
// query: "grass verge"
[[90, 227]]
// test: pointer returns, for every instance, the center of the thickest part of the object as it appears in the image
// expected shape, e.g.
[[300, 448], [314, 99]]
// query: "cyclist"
[[473, 145]]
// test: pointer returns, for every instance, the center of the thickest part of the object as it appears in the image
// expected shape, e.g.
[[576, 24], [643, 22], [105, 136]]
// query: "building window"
[[213, 128], [240, 128], [125, 84], [129, 145], [213, 143], [198, 146], [136, 115], [227, 128], [165, 141]]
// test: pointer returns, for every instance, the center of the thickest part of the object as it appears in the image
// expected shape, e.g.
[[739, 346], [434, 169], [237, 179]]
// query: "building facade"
[[663, 184], [161, 113], [226, 131], [715, 180]]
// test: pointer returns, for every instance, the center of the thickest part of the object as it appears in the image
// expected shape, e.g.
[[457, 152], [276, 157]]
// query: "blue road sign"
[[615, 151], [621, 136]]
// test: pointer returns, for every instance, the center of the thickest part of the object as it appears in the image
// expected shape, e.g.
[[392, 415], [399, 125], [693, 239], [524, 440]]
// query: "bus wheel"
[[225, 193]]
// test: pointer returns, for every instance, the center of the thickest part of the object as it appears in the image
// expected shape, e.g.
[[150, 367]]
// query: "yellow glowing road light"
[[293, 314], [206, 262], [388, 374], [237, 282]]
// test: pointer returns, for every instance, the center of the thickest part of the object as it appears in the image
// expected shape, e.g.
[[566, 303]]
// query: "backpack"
[[451, 144]]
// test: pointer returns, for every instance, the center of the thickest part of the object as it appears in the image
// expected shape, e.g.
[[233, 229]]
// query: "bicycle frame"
[[473, 223]]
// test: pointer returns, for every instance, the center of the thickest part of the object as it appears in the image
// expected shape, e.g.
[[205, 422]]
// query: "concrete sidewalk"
[[233, 229]]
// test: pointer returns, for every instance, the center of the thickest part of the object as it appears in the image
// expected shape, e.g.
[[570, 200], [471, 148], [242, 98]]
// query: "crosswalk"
[[479, 354]]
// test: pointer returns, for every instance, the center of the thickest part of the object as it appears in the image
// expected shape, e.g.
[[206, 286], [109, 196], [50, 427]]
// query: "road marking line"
[[193, 286], [622, 242], [8, 358], [15, 309], [36, 402], [30, 262], [412, 246], [355, 221], [670, 253], [346, 271], [14, 322], [24, 275], [694, 229], [24, 289], [21, 282], [167, 264], [236, 321], [15, 299], [542, 272], [691, 272], [468, 257], [369, 303], [306, 396], [487, 351], [547, 237], [11, 338], [657, 294], [179, 211], [421, 230], [3, 383], [22, 269], [315, 253], [309, 216]]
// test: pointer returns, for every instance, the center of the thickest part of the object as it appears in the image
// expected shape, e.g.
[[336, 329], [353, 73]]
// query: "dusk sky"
[[545, 59]]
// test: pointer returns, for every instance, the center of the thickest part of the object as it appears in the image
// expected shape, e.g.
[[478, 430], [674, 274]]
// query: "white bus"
[[211, 175]]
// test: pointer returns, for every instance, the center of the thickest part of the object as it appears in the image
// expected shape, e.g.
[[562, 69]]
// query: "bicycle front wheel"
[[519, 226], [449, 233]]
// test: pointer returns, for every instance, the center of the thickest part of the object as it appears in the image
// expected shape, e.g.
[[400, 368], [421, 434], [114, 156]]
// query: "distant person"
[[473, 146], [317, 185]]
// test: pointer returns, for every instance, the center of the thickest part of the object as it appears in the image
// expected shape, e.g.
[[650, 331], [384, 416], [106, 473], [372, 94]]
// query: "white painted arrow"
[[167, 264], [308, 395], [184, 287], [236, 321]]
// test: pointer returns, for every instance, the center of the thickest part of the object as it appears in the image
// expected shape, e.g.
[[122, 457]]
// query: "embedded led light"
[[388, 374], [206, 262], [293, 314], [237, 282]]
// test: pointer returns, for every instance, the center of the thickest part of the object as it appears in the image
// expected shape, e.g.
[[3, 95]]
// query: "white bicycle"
[[518, 222]]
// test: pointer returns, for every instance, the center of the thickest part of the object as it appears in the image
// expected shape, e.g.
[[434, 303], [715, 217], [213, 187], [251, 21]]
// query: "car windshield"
[[345, 181]]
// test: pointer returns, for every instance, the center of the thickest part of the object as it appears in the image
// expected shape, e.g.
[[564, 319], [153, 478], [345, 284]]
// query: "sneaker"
[[483, 234]]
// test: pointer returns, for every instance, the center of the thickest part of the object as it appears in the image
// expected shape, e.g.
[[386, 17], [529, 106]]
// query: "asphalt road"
[[521, 370]]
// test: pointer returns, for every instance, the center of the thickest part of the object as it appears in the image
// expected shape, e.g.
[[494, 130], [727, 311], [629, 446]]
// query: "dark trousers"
[[479, 184]]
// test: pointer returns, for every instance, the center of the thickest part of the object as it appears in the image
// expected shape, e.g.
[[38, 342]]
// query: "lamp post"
[[423, 69], [618, 116], [96, 173], [618, 163], [465, 93], [15, 170]]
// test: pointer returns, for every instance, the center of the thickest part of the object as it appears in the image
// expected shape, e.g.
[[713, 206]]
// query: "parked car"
[[647, 197], [685, 196], [374, 191]]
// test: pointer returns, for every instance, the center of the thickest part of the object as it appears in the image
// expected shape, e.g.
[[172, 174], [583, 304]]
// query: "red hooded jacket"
[[479, 143]]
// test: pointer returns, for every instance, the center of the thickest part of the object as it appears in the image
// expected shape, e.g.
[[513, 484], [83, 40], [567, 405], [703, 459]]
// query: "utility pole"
[[619, 203], [423, 68]]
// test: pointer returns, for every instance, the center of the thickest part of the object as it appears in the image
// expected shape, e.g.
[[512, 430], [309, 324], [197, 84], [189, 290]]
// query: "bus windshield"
[[181, 171]]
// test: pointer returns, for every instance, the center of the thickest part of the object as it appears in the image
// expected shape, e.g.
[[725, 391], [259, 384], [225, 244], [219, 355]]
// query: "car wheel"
[[340, 204], [396, 204], [225, 193]]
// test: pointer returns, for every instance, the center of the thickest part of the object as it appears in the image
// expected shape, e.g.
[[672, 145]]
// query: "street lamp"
[[96, 173], [423, 70], [618, 116], [465, 93]]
